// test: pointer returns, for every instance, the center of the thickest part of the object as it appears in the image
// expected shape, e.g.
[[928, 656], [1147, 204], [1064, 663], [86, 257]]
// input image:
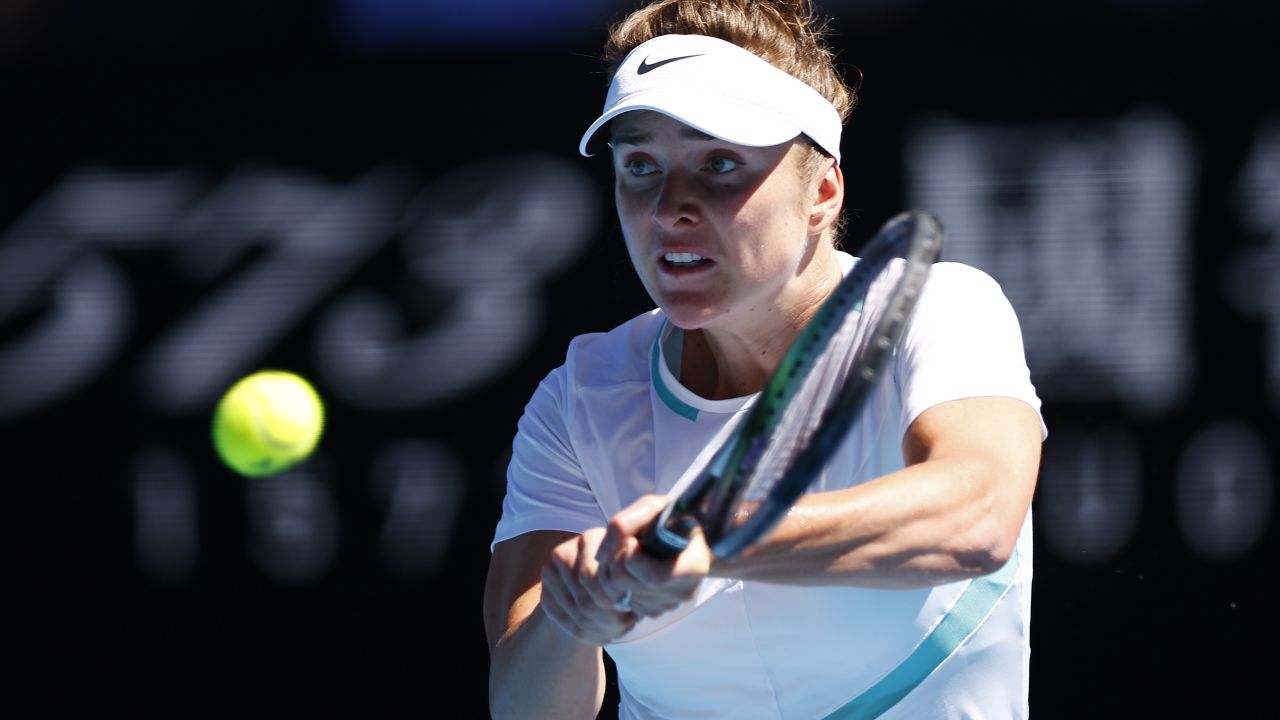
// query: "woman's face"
[[718, 233]]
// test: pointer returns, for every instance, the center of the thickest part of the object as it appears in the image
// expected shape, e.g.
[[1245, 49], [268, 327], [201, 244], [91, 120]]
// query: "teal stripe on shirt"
[[970, 610], [669, 398]]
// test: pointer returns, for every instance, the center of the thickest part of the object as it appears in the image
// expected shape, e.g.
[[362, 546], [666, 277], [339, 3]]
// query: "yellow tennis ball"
[[267, 422]]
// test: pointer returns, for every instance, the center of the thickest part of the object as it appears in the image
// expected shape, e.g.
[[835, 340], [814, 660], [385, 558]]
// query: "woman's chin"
[[688, 318]]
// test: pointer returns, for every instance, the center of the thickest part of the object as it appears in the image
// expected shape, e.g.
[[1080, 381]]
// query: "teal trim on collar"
[[669, 398], [970, 610]]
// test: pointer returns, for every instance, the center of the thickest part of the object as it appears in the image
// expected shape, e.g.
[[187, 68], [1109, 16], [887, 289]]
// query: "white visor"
[[721, 89]]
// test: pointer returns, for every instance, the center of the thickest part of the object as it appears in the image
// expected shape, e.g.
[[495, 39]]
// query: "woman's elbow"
[[993, 549]]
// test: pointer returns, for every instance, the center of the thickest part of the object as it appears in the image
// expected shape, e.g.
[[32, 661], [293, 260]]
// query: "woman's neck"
[[722, 363]]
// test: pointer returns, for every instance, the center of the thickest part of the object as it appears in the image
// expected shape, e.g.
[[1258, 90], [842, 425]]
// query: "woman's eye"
[[640, 168], [721, 164]]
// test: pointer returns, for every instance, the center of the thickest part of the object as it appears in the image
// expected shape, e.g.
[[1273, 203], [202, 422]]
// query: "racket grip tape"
[[667, 536]]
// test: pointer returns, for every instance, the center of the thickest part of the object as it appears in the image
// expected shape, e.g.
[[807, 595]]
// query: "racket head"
[[790, 434]]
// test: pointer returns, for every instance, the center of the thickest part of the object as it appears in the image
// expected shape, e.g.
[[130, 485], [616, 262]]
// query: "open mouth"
[[684, 259]]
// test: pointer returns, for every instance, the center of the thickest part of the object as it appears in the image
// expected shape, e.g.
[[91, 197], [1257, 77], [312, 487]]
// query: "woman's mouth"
[[683, 259]]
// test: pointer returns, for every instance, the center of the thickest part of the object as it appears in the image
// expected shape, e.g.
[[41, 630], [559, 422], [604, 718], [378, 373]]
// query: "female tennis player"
[[899, 586]]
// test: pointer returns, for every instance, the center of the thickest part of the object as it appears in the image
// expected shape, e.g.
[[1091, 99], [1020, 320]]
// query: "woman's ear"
[[828, 198]]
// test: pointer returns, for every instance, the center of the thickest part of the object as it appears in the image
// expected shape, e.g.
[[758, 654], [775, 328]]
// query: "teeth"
[[683, 257]]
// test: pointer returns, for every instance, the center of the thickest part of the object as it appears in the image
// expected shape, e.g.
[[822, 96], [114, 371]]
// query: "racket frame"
[[916, 237]]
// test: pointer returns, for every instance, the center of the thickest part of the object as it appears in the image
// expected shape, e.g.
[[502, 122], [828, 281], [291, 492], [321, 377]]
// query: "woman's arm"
[[536, 669], [954, 512]]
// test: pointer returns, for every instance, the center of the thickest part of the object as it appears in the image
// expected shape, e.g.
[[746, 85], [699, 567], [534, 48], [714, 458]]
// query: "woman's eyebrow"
[[629, 138], [635, 137]]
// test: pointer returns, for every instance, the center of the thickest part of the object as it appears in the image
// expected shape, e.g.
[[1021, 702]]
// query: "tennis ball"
[[267, 422]]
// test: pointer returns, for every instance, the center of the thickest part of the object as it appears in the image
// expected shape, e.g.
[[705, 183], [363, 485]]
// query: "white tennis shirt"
[[614, 423]]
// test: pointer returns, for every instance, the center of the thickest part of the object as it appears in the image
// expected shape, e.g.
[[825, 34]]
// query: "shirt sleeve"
[[546, 487], [962, 341]]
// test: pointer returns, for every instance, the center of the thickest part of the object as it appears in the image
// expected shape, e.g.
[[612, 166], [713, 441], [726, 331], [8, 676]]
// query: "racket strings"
[[815, 394]]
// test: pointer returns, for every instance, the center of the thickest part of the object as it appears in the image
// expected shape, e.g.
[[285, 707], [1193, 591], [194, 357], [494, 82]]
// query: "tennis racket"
[[809, 404]]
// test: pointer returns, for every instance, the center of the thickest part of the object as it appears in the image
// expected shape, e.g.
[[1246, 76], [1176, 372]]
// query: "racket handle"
[[667, 536]]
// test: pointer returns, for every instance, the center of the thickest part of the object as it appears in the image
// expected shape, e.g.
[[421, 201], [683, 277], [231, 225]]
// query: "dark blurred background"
[[385, 196]]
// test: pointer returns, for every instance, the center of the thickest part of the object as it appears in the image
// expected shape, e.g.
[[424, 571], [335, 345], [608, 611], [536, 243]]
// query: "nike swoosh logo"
[[646, 67]]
